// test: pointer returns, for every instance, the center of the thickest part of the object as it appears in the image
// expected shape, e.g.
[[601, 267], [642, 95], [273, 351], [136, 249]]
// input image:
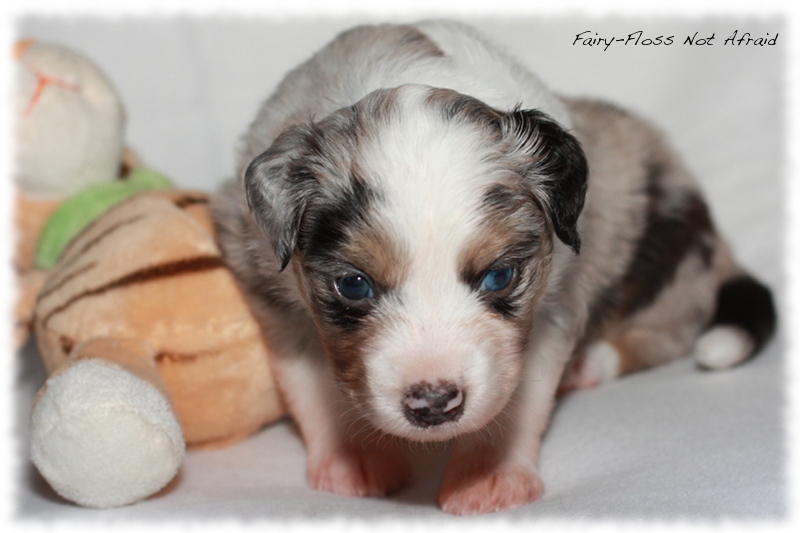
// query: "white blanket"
[[671, 443]]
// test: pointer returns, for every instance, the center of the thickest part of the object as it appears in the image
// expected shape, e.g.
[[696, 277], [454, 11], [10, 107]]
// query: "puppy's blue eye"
[[354, 287], [497, 279]]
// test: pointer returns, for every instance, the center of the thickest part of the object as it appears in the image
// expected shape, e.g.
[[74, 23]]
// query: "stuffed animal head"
[[69, 122]]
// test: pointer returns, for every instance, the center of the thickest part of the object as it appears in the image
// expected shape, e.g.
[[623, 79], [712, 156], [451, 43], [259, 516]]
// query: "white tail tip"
[[723, 347]]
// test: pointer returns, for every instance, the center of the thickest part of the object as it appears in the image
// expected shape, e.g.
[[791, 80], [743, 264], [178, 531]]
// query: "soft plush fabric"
[[668, 444]]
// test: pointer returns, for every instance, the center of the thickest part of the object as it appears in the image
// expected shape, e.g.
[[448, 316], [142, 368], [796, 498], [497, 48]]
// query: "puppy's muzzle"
[[428, 405]]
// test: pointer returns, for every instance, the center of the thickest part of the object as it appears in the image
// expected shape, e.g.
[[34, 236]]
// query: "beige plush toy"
[[149, 344], [147, 340], [69, 126]]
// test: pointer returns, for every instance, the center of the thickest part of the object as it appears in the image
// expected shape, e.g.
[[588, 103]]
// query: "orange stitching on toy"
[[20, 47], [42, 81]]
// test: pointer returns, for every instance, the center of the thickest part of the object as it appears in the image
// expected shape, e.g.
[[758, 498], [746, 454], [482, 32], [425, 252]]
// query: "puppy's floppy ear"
[[556, 167], [279, 188]]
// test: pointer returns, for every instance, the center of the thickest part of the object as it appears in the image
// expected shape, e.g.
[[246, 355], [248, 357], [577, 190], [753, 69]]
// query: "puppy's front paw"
[[359, 473], [500, 489]]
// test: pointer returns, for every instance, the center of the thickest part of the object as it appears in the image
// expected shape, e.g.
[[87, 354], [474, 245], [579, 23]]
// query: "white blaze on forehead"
[[433, 176]]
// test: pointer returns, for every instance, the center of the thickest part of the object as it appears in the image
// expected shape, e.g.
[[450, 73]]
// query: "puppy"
[[435, 245]]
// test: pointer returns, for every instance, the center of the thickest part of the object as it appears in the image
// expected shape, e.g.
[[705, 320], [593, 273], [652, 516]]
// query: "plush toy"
[[147, 339], [149, 343], [69, 126]]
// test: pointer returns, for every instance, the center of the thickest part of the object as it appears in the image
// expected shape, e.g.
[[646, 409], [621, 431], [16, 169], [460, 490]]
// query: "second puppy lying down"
[[429, 237]]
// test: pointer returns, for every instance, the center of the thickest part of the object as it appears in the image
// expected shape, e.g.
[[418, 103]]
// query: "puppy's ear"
[[555, 165], [278, 190]]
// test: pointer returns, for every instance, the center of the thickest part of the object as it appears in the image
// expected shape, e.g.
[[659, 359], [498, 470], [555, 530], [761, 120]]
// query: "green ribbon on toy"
[[80, 209]]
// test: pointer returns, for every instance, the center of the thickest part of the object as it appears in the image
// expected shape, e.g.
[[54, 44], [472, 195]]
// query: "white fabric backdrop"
[[671, 443]]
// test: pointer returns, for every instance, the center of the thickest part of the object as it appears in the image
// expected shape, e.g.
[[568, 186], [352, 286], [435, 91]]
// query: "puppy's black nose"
[[428, 405]]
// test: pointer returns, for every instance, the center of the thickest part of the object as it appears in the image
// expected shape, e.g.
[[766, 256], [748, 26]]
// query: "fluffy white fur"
[[434, 181], [86, 417], [722, 347]]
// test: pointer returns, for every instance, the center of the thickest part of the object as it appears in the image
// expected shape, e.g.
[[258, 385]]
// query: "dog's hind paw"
[[602, 362]]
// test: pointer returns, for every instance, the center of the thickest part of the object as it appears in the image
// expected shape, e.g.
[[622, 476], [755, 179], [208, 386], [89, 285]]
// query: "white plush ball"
[[103, 437]]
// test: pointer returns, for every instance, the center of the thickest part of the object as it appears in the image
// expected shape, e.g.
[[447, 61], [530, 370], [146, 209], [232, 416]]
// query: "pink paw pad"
[[369, 474], [498, 490]]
